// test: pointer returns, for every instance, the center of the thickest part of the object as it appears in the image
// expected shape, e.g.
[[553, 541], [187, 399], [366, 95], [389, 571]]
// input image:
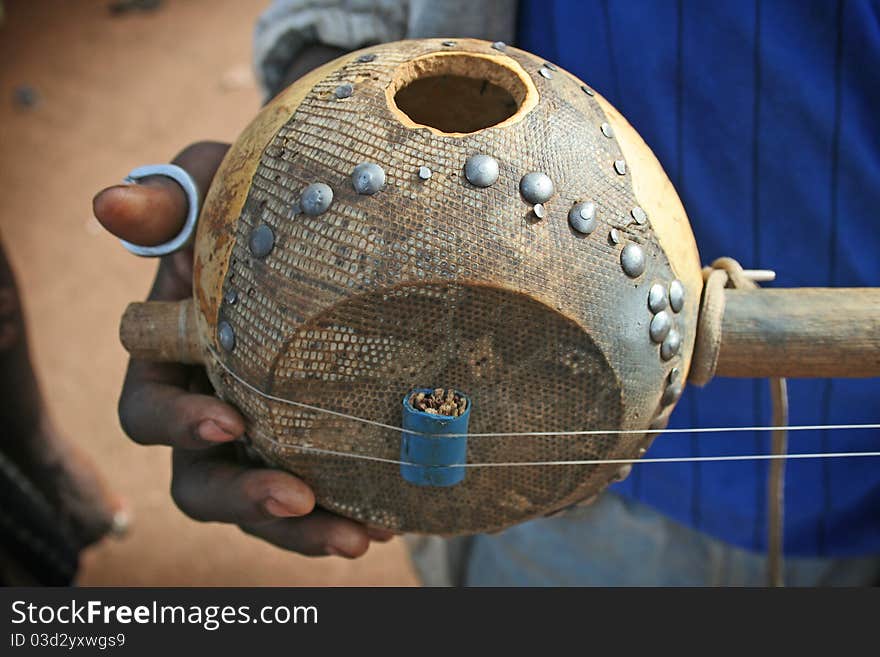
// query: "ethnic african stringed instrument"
[[459, 214]]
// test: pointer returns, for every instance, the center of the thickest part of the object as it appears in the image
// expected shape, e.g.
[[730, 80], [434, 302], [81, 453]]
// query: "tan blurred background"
[[86, 96]]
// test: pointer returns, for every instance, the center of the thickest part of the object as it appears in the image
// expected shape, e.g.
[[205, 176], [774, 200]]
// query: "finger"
[[154, 409], [174, 277], [212, 487], [153, 211], [270, 504], [318, 534], [381, 535], [147, 213]]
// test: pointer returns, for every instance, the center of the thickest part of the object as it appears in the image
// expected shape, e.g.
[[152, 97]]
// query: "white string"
[[596, 432], [309, 407], [590, 432], [507, 464]]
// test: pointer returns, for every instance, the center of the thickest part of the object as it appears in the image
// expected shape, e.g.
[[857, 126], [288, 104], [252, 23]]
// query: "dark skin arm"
[[174, 404], [62, 473]]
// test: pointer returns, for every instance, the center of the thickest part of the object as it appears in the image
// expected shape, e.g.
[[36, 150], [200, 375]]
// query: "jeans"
[[616, 542]]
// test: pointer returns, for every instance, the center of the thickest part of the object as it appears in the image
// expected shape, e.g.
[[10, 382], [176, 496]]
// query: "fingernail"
[[381, 535], [285, 503], [336, 552], [213, 433], [278, 509], [121, 523]]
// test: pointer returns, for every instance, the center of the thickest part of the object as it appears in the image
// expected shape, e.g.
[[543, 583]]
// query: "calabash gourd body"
[[549, 306]]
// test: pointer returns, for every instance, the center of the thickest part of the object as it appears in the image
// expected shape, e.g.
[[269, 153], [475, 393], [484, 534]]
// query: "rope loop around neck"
[[728, 273]]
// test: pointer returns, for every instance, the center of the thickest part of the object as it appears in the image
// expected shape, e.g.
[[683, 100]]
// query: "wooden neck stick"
[[801, 332], [161, 331]]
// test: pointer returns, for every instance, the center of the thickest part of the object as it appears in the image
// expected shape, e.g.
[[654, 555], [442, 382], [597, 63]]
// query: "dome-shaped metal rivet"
[[499, 45], [539, 210], [632, 259], [536, 187], [661, 324], [676, 295], [607, 130], [614, 236], [550, 66], [587, 90], [368, 178], [660, 422], [670, 345], [343, 90], [639, 215], [261, 241], [620, 166], [231, 297], [316, 198], [449, 44], [582, 217], [657, 298], [367, 57], [424, 173], [672, 393], [674, 375], [545, 73], [622, 472], [481, 170], [226, 335]]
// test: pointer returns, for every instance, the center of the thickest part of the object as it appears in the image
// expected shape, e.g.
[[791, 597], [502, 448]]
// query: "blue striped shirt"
[[765, 115]]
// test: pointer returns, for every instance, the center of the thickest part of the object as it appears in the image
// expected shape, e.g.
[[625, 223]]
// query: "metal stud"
[[657, 300], [672, 394], [343, 90], [368, 57], [632, 259], [536, 187], [226, 335], [660, 422], [316, 198], [582, 217], [262, 241], [639, 215], [424, 173], [587, 90], [607, 130], [368, 178], [622, 472], [545, 73], [550, 66], [671, 344], [661, 324], [231, 297], [674, 375], [676, 295], [499, 45], [449, 44], [614, 236], [539, 210], [481, 170], [620, 166]]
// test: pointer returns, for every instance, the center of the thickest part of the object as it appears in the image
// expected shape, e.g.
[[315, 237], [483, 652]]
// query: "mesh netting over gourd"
[[441, 263]]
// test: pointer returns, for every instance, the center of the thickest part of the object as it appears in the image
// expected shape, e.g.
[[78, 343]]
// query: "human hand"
[[173, 404]]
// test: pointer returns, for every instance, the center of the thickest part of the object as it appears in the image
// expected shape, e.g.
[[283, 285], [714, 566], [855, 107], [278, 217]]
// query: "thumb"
[[153, 210]]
